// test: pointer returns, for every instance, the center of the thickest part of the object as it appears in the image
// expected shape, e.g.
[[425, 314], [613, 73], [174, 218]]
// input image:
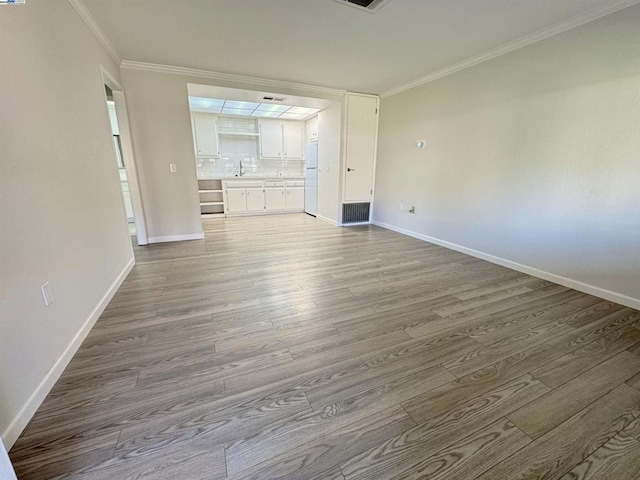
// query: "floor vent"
[[370, 6], [355, 212]]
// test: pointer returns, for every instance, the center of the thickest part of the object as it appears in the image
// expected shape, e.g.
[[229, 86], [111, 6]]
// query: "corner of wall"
[[22, 418]]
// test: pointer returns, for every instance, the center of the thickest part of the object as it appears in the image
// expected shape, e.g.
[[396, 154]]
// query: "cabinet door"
[[292, 135], [236, 201], [255, 199], [362, 122], [270, 139], [295, 198], [206, 136], [274, 198]]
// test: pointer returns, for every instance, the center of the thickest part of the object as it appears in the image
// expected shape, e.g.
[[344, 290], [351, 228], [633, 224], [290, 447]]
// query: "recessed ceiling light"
[[204, 102], [253, 109], [303, 110], [293, 116], [241, 105], [267, 107], [264, 113], [237, 111]]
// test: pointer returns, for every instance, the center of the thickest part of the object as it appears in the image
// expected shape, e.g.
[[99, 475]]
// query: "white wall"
[[531, 157], [61, 210], [161, 129], [329, 151]]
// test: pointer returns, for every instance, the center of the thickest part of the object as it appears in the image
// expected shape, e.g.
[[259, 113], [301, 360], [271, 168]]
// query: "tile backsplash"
[[229, 166], [238, 142]]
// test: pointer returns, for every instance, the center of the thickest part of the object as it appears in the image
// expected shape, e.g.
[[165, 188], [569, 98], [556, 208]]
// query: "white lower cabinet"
[[274, 198], [245, 200], [282, 197], [264, 196], [255, 199], [236, 201], [295, 198]]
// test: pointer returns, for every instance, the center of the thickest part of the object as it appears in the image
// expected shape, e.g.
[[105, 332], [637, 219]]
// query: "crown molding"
[[261, 82], [522, 42], [87, 18]]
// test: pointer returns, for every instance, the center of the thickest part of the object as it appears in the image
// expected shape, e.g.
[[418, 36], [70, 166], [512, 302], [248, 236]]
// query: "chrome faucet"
[[241, 169]]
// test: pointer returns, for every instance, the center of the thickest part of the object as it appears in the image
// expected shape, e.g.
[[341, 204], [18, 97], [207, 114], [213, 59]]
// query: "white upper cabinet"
[[281, 139], [270, 139], [292, 139], [205, 135]]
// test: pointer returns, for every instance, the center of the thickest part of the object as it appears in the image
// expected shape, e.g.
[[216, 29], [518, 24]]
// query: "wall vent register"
[[370, 6], [355, 212]]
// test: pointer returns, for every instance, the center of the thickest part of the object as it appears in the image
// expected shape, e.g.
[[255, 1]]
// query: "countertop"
[[247, 177]]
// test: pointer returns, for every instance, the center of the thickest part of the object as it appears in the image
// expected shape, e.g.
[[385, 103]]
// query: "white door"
[[236, 200], [206, 136], [362, 121], [274, 198], [295, 198], [292, 138], [255, 199], [270, 139], [311, 191]]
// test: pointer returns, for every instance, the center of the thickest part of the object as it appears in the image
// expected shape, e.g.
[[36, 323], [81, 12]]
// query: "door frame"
[[128, 156], [343, 148]]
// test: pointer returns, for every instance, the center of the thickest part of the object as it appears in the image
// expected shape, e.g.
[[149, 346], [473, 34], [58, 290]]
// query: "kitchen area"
[[255, 153]]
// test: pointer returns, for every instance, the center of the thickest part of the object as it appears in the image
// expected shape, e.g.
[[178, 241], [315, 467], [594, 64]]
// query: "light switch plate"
[[173, 168]]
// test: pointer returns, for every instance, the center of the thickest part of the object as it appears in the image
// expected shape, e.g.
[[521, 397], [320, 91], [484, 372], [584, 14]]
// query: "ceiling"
[[325, 43]]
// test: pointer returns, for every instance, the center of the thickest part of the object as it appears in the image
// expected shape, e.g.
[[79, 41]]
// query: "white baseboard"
[[355, 224], [326, 219], [176, 238], [20, 421], [262, 214], [552, 277]]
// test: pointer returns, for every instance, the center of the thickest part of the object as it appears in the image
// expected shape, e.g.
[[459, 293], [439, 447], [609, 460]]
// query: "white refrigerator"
[[311, 178]]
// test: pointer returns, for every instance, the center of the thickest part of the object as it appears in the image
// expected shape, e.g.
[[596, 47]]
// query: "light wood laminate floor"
[[283, 347]]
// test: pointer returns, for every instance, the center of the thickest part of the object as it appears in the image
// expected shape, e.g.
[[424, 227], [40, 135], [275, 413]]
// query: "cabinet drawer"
[[295, 183], [244, 184]]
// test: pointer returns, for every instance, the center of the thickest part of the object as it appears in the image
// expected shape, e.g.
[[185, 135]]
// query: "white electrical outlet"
[[401, 207], [47, 296], [173, 168]]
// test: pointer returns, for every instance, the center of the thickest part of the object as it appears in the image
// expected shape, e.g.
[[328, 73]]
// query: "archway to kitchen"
[[262, 153]]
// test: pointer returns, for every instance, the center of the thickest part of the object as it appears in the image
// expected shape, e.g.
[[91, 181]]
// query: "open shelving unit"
[[211, 197]]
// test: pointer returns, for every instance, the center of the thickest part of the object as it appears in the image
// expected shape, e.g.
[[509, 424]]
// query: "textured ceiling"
[[320, 42]]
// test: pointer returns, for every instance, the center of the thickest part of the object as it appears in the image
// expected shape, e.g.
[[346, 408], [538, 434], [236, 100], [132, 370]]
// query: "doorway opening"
[[124, 158], [122, 172], [256, 152]]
